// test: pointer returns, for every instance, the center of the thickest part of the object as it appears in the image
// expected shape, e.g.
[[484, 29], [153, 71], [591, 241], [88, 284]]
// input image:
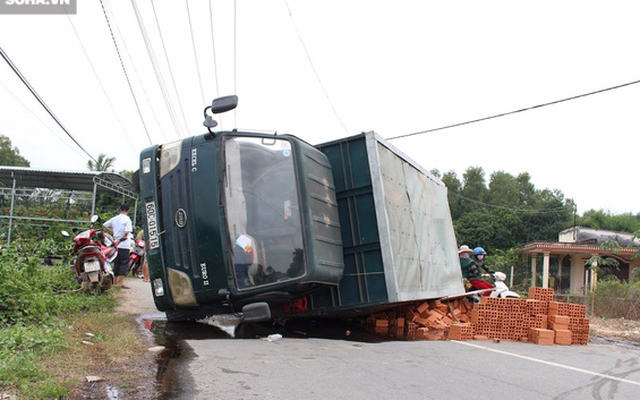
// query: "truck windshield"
[[261, 205]]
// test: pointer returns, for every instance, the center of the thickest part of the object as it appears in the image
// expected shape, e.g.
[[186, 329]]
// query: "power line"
[[213, 45], [195, 53], [135, 100], [235, 57], [95, 73], [166, 57], [72, 148], [156, 68], [33, 91], [516, 111], [137, 75], [514, 209], [313, 67]]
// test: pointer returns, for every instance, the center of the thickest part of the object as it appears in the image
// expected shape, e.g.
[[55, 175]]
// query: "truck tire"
[[252, 330], [183, 316]]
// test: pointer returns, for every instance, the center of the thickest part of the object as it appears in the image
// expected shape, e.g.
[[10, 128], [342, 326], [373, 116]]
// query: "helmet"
[[478, 250]]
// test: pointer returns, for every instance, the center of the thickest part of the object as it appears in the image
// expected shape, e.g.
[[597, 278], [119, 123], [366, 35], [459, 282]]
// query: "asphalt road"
[[336, 369], [213, 366]]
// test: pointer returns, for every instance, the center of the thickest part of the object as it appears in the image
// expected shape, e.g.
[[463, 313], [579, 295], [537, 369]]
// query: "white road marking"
[[584, 371]]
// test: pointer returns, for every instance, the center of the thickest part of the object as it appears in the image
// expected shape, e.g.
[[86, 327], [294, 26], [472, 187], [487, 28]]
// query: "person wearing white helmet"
[[478, 270]]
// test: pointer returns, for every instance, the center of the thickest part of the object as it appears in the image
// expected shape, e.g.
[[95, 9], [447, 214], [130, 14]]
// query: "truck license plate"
[[152, 225]]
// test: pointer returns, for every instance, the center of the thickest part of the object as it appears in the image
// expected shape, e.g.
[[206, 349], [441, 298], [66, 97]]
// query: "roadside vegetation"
[[52, 336], [505, 212]]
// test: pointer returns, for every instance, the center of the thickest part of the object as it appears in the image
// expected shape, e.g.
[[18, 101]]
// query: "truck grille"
[[178, 240]]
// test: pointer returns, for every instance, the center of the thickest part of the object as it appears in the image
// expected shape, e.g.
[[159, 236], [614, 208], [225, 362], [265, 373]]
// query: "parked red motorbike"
[[136, 259], [95, 250]]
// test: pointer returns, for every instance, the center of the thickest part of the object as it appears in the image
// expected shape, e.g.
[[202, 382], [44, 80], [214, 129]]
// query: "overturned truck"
[[268, 227]]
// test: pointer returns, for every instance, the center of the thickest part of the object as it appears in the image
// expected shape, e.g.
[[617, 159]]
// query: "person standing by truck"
[[465, 259], [478, 270], [121, 227]]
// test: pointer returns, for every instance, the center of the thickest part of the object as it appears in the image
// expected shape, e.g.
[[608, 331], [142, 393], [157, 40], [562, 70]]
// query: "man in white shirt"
[[120, 226]]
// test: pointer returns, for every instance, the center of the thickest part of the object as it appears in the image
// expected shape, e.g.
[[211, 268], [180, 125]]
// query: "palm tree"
[[103, 163]]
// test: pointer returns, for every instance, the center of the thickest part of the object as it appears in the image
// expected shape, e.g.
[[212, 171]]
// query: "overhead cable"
[[72, 148], [313, 67], [156, 69], [195, 53], [213, 46], [161, 127], [33, 91], [115, 43], [514, 112], [514, 209], [104, 91], [166, 57]]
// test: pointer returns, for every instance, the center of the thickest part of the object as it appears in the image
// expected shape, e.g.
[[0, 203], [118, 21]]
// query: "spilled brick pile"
[[537, 319]]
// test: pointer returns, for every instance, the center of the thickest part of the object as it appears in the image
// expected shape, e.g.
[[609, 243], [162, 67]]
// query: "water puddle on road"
[[171, 337]]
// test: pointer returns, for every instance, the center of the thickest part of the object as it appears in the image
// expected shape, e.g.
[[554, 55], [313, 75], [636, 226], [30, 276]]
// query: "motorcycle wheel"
[[106, 283], [133, 267]]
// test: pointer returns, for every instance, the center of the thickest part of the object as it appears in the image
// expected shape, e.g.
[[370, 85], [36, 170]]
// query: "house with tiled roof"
[[563, 265]]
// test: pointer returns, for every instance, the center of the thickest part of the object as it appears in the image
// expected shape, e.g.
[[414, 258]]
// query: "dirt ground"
[[137, 377], [137, 300], [618, 328]]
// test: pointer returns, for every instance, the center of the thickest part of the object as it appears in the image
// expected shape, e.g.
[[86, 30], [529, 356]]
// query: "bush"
[[37, 304], [617, 299]]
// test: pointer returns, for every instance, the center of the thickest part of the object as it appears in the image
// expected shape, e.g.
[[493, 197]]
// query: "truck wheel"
[[252, 330], [182, 316]]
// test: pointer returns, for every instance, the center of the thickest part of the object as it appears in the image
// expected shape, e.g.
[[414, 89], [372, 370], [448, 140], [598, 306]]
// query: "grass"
[[43, 324], [53, 361], [113, 355]]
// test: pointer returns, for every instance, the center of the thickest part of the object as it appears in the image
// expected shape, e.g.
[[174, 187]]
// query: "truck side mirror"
[[224, 104]]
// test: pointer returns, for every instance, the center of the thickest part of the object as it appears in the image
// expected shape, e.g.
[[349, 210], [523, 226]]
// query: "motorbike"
[[95, 250], [501, 290], [136, 259]]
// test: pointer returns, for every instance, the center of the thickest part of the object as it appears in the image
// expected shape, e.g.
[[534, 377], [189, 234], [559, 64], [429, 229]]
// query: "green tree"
[[507, 213], [10, 155], [550, 214], [102, 164], [604, 220], [503, 190], [474, 190], [453, 184]]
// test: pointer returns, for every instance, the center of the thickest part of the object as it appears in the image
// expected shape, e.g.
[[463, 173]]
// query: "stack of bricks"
[[461, 331], [541, 336], [429, 320], [537, 319], [575, 317], [497, 318]]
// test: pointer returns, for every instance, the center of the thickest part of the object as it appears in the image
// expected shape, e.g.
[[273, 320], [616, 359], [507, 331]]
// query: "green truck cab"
[[270, 228], [238, 222]]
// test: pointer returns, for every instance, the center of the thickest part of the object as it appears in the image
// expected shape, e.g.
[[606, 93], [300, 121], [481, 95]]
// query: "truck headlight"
[[158, 287], [146, 165], [170, 157], [181, 288]]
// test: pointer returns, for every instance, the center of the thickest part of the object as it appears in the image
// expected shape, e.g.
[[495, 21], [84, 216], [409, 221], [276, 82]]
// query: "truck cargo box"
[[398, 239]]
